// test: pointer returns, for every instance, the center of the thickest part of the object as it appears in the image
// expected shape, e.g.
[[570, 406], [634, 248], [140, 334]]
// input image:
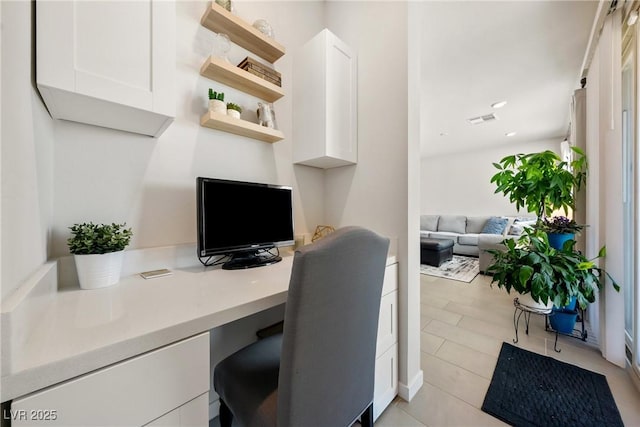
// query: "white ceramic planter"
[[233, 113], [217, 106], [527, 301], [100, 270]]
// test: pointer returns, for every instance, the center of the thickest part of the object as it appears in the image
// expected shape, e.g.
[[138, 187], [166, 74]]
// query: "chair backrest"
[[327, 366]]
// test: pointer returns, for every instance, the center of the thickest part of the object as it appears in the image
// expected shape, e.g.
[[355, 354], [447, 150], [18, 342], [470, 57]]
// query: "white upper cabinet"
[[325, 110], [108, 63]]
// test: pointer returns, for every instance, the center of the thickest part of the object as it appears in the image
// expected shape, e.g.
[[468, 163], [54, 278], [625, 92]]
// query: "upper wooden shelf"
[[219, 20], [240, 127], [222, 71]]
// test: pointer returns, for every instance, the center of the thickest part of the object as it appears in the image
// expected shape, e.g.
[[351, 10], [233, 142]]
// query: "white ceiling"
[[475, 53]]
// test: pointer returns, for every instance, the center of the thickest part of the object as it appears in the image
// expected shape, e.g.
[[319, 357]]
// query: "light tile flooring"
[[462, 327]]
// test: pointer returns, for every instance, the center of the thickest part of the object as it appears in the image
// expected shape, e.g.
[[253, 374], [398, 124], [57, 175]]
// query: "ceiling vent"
[[483, 119]]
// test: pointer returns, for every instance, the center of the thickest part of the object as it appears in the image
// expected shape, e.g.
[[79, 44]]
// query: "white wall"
[[26, 153], [459, 183], [103, 175], [374, 193]]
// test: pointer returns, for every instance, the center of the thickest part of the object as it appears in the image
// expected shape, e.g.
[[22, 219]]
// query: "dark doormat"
[[528, 389]]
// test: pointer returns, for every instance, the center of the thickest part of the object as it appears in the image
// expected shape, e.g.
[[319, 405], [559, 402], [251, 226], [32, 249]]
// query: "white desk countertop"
[[78, 331]]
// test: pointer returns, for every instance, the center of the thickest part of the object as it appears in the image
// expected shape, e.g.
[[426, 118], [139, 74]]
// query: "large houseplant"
[[541, 182], [97, 250], [532, 266]]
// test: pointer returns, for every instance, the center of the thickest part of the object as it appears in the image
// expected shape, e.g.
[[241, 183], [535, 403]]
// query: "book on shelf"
[[264, 77], [261, 70]]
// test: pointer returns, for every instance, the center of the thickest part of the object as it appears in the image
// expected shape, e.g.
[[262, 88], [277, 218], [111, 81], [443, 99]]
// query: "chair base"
[[225, 417], [366, 419]]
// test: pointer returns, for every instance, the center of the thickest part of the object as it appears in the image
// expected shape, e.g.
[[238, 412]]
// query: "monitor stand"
[[252, 259]]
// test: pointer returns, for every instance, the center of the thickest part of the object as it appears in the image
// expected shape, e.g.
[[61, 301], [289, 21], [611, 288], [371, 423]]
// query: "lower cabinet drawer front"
[[191, 414], [387, 323], [386, 385], [130, 393], [390, 282]]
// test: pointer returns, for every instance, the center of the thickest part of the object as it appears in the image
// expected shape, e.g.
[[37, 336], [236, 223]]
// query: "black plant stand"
[[580, 334], [520, 309]]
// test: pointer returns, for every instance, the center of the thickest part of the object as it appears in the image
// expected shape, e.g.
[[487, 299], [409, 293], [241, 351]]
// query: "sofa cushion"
[[495, 225], [475, 224], [444, 235], [468, 239], [452, 223], [519, 225], [429, 222], [424, 233]]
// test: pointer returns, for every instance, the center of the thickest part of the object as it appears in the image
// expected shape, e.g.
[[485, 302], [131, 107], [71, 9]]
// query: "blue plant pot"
[[563, 320], [573, 302], [556, 240]]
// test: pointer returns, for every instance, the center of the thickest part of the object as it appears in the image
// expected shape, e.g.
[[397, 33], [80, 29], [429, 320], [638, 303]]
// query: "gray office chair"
[[320, 370]]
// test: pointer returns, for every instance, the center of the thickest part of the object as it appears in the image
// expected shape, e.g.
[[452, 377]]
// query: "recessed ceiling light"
[[443, 134], [499, 104], [510, 134]]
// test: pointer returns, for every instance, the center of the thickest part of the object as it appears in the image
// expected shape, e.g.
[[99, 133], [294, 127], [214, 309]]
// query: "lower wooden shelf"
[[240, 127]]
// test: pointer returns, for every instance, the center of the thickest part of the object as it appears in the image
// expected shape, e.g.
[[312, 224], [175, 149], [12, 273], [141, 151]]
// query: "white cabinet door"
[[386, 377], [108, 63], [386, 382], [325, 124], [131, 393], [192, 414]]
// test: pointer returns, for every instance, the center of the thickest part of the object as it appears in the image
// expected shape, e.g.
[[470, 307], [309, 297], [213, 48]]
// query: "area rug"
[[461, 268], [528, 389]]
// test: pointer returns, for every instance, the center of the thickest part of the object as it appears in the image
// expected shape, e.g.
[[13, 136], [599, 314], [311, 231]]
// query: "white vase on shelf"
[[233, 113]]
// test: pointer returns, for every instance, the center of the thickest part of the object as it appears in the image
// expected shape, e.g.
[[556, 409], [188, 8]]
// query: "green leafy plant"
[[541, 182], [89, 238], [232, 106], [215, 95], [531, 265]]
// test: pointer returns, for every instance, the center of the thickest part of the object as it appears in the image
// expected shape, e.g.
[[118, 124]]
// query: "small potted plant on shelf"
[[533, 268], [560, 229], [216, 102], [234, 110], [97, 251]]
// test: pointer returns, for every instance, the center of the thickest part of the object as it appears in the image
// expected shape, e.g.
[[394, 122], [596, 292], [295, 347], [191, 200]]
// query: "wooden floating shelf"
[[240, 127], [219, 20], [222, 71]]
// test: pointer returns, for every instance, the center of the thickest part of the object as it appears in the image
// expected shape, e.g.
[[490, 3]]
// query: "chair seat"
[[247, 381]]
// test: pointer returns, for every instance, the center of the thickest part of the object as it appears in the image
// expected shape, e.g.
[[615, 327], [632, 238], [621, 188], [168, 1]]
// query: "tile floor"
[[462, 327]]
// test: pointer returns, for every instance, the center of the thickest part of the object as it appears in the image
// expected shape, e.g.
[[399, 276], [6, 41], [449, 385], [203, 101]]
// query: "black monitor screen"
[[240, 216]]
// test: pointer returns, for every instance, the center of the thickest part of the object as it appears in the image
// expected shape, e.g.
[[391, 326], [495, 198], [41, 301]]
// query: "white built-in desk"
[[57, 337], [77, 331]]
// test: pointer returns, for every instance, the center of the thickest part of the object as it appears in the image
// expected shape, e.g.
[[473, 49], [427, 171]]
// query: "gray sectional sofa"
[[466, 233]]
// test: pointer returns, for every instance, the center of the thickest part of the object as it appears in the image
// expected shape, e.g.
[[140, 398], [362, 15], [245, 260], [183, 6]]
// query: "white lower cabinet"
[[171, 382], [386, 379], [191, 414]]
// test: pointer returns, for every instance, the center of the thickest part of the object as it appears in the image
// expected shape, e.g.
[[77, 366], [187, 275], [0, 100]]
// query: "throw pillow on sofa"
[[495, 225]]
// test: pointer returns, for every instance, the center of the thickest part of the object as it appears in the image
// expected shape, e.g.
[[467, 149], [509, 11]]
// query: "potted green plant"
[[234, 110], [531, 266], [559, 229], [541, 182], [216, 102], [97, 251]]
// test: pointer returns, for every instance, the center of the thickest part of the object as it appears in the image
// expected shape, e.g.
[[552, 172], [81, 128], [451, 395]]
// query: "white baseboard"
[[408, 391]]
